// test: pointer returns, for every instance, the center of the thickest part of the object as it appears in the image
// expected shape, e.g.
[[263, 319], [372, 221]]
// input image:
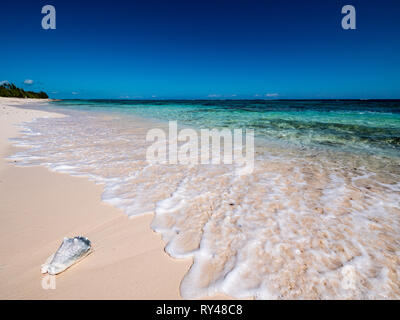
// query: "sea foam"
[[305, 224]]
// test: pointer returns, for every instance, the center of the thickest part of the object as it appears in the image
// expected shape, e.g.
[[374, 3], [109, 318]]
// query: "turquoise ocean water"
[[369, 126]]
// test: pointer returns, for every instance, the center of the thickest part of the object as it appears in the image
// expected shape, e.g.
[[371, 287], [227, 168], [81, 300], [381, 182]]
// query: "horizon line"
[[242, 99]]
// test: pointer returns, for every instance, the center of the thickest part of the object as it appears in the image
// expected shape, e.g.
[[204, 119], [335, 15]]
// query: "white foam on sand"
[[302, 225]]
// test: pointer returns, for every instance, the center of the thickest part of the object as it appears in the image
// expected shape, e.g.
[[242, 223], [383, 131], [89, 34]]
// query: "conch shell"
[[70, 252]]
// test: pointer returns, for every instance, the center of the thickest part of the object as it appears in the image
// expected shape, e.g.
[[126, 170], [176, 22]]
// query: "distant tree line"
[[11, 91]]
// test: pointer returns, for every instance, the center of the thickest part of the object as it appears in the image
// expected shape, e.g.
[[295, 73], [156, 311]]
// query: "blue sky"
[[203, 49]]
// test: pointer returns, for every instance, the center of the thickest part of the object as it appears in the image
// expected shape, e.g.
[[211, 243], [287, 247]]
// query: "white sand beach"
[[38, 208]]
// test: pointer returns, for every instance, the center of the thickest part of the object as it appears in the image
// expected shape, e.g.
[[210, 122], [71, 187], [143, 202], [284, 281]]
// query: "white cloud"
[[74, 93], [272, 95], [28, 82], [213, 95], [4, 82], [154, 96]]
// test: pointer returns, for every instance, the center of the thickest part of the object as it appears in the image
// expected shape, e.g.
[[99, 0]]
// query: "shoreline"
[[39, 207], [304, 225]]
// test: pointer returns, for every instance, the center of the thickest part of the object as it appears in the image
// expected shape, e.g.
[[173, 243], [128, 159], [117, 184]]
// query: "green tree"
[[10, 90]]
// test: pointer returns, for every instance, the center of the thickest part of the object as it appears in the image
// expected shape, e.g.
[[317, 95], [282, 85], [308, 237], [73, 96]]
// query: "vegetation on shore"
[[11, 91]]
